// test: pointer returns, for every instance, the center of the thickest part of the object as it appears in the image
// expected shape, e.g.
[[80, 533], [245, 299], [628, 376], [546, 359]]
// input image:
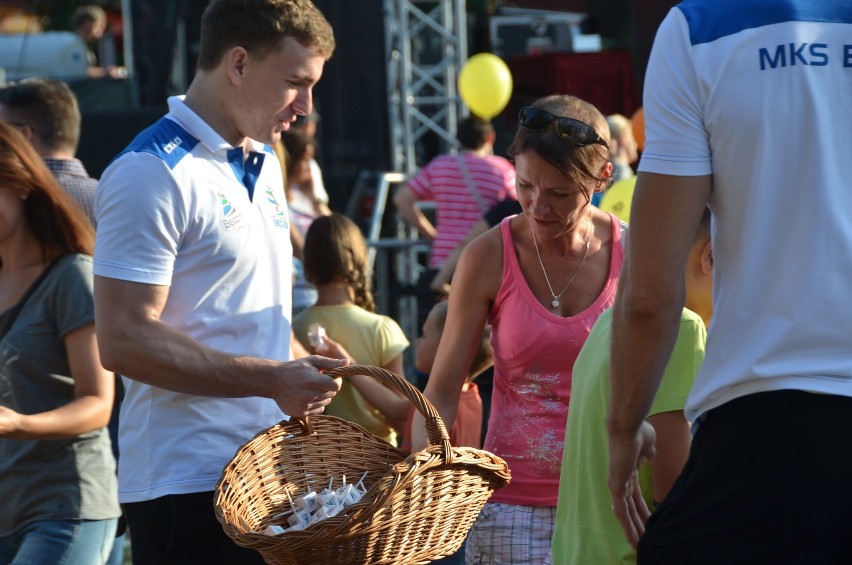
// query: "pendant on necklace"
[[555, 303]]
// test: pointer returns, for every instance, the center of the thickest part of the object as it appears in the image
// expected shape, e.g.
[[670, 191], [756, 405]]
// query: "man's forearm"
[[158, 355], [642, 341]]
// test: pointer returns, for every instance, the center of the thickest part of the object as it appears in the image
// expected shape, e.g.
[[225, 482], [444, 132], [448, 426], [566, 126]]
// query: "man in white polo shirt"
[[747, 111], [193, 279]]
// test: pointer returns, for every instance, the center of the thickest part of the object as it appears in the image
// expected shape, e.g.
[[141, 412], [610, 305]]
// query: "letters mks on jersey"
[[792, 54]]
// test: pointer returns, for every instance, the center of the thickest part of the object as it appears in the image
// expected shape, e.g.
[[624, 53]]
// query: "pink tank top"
[[534, 353]]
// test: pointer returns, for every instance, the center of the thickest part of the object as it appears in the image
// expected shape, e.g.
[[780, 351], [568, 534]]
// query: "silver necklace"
[[555, 302]]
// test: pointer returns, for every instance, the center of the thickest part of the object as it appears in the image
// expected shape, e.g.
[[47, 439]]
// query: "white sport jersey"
[[180, 207], [757, 93]]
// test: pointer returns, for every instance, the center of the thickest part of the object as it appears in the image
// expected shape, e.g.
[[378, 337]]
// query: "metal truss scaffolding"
[[426, 45]]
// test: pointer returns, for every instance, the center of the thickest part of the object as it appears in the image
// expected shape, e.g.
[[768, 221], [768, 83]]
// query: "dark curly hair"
[[335, 252]]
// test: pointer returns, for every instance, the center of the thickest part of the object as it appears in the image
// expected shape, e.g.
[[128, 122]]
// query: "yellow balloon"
[[485, 85]]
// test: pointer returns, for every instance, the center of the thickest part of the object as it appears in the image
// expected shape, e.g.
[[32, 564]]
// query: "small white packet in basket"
[[273, 530], [307, 501]]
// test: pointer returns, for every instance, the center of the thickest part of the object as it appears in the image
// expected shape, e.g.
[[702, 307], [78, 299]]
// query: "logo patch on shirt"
[[280, 218], [172, 145], [231, 218]]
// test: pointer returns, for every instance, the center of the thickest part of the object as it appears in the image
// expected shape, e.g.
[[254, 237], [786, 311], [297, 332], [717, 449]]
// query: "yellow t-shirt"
[[617, 199], [371, 339]]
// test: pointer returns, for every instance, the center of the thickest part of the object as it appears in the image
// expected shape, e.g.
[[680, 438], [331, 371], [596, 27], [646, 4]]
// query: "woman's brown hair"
[[335, 252], [56, 221], [581, 164]]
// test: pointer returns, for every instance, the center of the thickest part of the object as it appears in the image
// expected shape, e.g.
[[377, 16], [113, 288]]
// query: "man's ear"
[[707, 258], [28, 132], [606, 176], [236, 60]]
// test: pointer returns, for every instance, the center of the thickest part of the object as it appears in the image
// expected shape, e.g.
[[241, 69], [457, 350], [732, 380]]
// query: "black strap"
[[12, 313]]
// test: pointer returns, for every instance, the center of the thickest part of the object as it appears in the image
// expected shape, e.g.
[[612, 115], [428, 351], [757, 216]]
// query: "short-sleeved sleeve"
[[141, 215], [676, 142], [421, 183], [71, 296], [392, 340]]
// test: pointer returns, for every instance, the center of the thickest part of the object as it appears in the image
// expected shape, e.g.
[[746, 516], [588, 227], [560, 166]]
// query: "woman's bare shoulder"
[[486, 248]]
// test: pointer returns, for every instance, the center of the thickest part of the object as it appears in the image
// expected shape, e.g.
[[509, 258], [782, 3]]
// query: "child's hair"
[[296, 145], [335, 251], [484, 356]]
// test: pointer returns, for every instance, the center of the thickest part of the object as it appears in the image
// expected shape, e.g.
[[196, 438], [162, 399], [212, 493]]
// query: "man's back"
[[73, 177], [754, 93], [745, 111], [461, 202]]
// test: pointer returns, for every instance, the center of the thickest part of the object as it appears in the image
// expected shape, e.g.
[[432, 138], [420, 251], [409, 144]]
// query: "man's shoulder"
[[709, 20], [165, 139]]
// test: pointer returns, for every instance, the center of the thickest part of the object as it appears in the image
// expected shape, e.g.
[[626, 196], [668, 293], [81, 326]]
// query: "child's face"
[[427, 345]]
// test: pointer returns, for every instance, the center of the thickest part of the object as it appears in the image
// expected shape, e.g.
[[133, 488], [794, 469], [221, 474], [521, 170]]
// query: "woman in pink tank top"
[[541, 279]]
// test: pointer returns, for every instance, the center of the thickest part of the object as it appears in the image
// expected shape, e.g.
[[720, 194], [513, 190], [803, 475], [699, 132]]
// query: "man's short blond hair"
[[260, 26]]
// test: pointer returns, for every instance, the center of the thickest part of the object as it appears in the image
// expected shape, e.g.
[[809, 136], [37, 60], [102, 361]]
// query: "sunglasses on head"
[[568, 130]]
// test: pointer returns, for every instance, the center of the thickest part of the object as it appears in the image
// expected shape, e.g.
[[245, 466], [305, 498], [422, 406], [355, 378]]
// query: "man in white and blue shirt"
[[747, 111], [193, 281]]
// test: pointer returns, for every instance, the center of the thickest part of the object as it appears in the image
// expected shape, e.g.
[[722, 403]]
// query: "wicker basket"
[[417, 507]]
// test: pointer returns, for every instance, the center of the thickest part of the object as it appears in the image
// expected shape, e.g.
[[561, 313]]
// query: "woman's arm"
[[94, 389], [476, 282]]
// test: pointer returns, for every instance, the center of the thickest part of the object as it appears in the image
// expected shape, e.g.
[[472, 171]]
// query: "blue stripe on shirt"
[[710, 20], [164, 139]]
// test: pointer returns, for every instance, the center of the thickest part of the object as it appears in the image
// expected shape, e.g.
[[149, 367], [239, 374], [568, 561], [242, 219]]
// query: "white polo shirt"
[[756, 93], [180, 207]]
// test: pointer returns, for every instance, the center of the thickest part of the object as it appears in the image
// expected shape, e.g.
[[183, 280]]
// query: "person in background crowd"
[[57, 471], [586, 529], [541, 279], [308, 125], [767, 479], [623, 152], [47, 113], [617, 198], [89, 22], [192, 277], [336, 262], [464, 187], [296, 150]]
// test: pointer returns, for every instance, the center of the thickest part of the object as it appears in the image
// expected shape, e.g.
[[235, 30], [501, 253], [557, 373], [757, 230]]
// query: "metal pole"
[[127, 44]]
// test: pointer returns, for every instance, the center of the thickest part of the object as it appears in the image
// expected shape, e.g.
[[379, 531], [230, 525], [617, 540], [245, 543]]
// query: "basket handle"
[[435, 428]]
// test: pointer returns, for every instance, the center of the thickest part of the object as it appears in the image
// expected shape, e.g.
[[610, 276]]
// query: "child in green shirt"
[[586, 529]]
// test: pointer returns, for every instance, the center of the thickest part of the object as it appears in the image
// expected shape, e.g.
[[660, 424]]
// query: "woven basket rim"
[[400, 477]]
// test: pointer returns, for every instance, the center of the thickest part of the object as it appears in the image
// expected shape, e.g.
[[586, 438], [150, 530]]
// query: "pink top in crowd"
[[458, 210], [534, 353]]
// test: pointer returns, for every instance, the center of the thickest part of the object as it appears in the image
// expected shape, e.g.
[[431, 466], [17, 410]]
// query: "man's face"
[[273, 91]]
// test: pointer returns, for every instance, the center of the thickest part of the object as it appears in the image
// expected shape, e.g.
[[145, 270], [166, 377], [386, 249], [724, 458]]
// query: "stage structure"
[[425, 50], [425, 47]]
